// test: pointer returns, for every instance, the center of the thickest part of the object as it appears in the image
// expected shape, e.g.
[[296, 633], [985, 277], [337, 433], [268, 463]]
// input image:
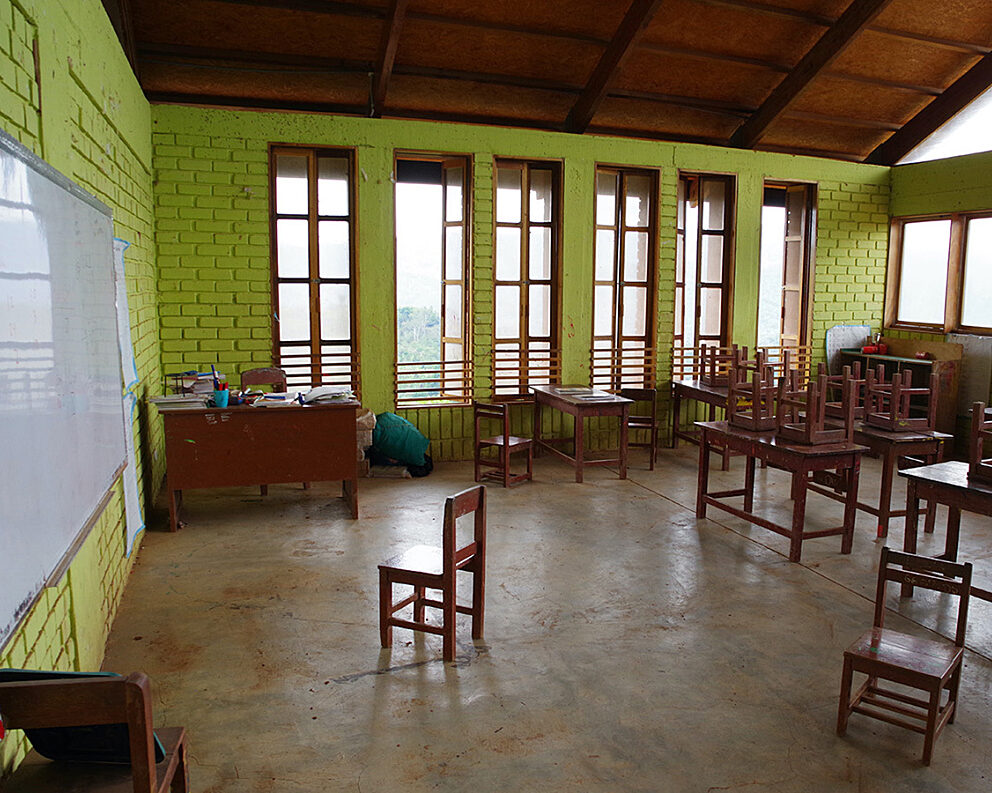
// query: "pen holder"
[[221, 397]]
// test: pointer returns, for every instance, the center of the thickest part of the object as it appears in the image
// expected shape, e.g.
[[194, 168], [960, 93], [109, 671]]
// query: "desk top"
[[952, 473], [579, 395], [699, 387], [768, 438], [873, 432], [182, 410]]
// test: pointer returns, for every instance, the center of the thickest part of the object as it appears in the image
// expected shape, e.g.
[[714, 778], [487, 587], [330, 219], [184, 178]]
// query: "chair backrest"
[[649, 395], [468, 501], [485, 411], [980, 445], [89, 701], [269, 375], [954, 578]]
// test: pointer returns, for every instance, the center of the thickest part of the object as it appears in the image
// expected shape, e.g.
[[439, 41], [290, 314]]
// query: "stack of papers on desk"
[[277, 399], [180, 401], [323, 394]]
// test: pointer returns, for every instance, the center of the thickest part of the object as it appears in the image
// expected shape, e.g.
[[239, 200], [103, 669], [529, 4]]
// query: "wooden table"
[[581, 402], [944, 483], [800, 461], [214, 447], [892, 447], [713, 395]]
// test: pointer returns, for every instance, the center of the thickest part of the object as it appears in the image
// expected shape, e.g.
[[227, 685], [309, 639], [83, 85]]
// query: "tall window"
[[940, 273], [785, 281], [432, 310], [526, 342], [703, 260], [625, 277], [313, 266]]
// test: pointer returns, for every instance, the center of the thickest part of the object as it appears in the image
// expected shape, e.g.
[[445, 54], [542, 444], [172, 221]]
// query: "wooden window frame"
[[318, 357], [456, 381], [957, 248], [551, 373], [612, 376]]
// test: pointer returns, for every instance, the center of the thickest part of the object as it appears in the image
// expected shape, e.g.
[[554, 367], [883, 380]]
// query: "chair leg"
[[952, 694], [933, 711], [844, 707], [418, 604], [306, 485], [385, 609], [506, 466], [478, 467], [263, 490], [478, 601], [180, 781], [654, 446], [448, 628], [530, 463]]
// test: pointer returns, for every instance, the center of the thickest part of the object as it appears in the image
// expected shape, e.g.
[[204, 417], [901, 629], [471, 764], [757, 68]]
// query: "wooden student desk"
[[800, 461], [713, 395], [240, 446], [569, 399]]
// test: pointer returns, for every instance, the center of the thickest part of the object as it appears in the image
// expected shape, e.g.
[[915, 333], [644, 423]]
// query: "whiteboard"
[[61, 413]]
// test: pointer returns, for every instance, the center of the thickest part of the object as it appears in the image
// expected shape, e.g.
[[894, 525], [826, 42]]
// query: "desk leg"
[[702, 484], [749, 484], [349, 489], [953, 533], [798, 515], [851, 505], [624, 419], [676, 417], [175, 502], [537, 426], [909, 533], [885, 496], [579, 441]]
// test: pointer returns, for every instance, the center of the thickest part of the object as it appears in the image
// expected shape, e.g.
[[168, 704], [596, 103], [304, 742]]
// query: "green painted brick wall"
[[88, 118], [956, 184], [211, 198]]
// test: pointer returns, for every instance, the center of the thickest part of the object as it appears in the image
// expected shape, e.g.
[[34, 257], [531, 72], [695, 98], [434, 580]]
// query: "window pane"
[[332, 186], [923, 275], [453, 312], [453, 179], [638, 206], [714, 198], [508, 253], [452, 352], [709, 311], [292, 249], [333, 248], [540, 310], [508, 195], [294, 312], [540, 253], [712, 264], [507, 312], [635, 310], [540, 196], [976, 306], [605, 256], [606, 199], [603, 311], [635, 256], [680, 210], [335, 312], [453, 254], [678, 310], [292, 196], [680, 259]]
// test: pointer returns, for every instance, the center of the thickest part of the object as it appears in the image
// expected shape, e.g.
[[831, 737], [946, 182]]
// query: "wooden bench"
[[88, 701]]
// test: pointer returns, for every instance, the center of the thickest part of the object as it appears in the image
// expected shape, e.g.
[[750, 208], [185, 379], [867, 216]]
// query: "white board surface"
[[61, 414]]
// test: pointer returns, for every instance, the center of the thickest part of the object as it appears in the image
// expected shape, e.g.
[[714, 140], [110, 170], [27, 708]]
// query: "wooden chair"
[[504, 443], [88, 701], [930, 665], [270, 376], [717, 362], [751, 394], [648, 423], [426, 567], [979, 444], [889, 405], [801, 414]]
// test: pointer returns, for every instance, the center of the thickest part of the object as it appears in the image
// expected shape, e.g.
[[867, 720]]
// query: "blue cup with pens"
[[221, 391]]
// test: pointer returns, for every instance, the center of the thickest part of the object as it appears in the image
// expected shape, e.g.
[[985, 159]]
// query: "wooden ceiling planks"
[[675, 69]]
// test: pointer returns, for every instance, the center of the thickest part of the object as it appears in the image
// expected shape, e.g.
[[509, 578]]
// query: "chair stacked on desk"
[[890, 406], [751, 395], [801, 415], [979, 444]]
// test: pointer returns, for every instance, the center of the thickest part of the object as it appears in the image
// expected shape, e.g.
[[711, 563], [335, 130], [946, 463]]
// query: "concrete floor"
[[628, 647]]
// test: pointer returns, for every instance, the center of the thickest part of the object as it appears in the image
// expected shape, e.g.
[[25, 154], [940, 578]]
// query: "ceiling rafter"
[[690, 52], [253, 103], [185, 53], [841, 121], [960, 93], [819, 57], [708, 105], [387, 55], [631, 28]]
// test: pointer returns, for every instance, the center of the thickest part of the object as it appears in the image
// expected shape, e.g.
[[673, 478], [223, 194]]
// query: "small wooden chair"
[[88, 701], [931, 665], [801, 415], [504, 443], [649, 423], [751, 394], [979, 444], [889, 405], [715, 363], [426, 567], [275, 378]]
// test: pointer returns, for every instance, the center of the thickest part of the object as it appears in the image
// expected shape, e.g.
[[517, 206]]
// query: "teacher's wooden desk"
[[241, 446], [800, 461], [581, 402]]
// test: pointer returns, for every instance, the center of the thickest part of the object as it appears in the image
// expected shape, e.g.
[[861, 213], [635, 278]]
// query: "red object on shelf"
[[883, 349], [924, 356], [869, 349]]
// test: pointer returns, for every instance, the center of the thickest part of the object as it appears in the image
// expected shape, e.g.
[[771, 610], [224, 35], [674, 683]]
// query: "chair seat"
[[640, 422], [40, 775], [424, 559], [923, 657], [512, 442]]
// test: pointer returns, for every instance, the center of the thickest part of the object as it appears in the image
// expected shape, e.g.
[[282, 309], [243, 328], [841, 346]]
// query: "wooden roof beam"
[[629, 31], [387, 55], [820, 56], [961, 92]]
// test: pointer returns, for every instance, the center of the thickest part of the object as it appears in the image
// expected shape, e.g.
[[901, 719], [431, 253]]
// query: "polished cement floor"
[[628, 646]]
